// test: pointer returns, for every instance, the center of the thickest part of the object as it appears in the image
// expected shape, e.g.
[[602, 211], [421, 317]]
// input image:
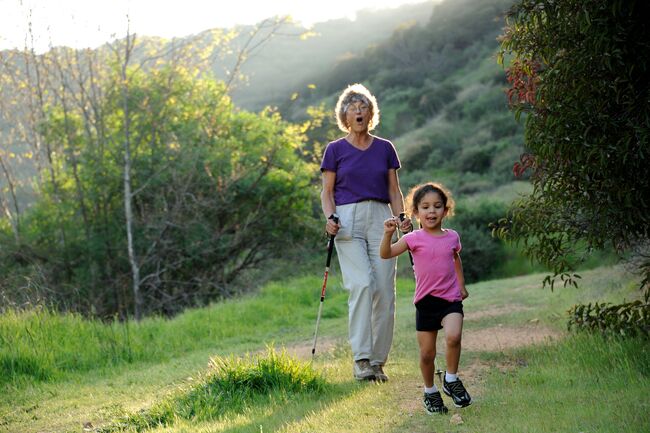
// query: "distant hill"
[[286, 59]]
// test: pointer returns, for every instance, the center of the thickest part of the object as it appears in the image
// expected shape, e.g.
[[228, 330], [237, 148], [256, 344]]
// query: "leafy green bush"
[[626, 319], [476, 159], [482, 254], [587, 126]]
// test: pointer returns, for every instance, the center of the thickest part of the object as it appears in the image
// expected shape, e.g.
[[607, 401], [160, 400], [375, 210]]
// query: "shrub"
[[482, 254], [626, 319], [475, 159]]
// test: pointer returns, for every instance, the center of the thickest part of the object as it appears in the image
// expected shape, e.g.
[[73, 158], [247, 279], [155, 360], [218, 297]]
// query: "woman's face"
[[358, 116]]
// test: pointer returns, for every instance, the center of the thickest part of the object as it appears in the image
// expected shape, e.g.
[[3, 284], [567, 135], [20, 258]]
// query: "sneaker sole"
[[360, 379], [441, 412]]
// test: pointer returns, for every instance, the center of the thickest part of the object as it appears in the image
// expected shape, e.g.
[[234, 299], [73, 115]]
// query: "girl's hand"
[[464, 293], [390, 225]]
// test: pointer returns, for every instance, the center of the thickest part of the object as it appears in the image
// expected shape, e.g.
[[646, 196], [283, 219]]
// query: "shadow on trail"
[[274, 416]]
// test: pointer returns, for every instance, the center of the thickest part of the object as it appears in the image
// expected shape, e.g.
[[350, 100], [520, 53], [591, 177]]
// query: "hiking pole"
[[439, 374], [330, 248]]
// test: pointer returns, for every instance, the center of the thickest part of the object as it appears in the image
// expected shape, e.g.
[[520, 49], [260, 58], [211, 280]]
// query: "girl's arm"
[[458, 265], [386, 249]]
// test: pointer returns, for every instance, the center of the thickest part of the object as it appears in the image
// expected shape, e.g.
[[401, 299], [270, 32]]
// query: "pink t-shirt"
[[433, 262]]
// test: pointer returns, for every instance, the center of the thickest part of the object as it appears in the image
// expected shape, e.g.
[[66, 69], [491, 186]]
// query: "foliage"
[[216, 191], [229, 386], [626, 319], [482, 254], [579, 71]]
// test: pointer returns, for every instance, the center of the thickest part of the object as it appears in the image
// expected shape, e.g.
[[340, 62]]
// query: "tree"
[[578, 71], [166, 193]]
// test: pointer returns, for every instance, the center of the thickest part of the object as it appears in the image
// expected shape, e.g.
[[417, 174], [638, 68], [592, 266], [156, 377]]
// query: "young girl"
[[439, 288]]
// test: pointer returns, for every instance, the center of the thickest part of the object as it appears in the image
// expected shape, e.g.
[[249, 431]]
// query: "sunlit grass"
[[231, 385], [40, 344], [584, 383]]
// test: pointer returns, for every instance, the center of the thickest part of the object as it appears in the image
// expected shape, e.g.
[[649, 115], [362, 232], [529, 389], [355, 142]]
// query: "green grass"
[[168, 384], [583, 383], [41, 345]]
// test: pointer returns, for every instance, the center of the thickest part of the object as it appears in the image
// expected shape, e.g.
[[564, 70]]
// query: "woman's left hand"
[[464, 293], [405, 225]]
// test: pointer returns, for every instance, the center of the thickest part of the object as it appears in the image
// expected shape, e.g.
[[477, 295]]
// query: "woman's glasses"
[[357, 108]]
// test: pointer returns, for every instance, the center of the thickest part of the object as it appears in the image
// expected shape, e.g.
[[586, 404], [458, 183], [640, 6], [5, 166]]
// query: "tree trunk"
[[14, 217], [128, 187]]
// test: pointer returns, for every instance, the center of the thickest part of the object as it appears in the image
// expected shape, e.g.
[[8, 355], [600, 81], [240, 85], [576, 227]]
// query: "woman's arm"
[[458, 265], [327, 201], [397, 199], [395, 193]]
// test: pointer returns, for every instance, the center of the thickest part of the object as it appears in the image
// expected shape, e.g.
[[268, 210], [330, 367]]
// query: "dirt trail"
[[492, 339]]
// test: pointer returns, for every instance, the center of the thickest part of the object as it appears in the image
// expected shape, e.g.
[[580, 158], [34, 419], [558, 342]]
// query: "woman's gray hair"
[[356, 93]]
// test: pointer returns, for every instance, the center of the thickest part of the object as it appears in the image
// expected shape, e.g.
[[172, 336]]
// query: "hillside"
[[441, 95]]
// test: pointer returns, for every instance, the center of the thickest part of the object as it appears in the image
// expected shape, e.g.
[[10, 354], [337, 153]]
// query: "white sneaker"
[[363, 370]]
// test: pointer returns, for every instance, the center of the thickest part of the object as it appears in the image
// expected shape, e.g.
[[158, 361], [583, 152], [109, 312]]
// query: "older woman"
[[361, 188]]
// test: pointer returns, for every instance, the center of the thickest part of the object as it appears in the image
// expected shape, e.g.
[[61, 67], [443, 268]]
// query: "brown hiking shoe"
[[363, 370], [380, 376]]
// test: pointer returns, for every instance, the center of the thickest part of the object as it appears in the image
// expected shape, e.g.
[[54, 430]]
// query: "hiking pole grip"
[[330, 249]]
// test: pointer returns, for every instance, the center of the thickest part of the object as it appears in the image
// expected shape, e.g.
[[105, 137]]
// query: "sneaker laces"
[[433, 400], [456, 387]]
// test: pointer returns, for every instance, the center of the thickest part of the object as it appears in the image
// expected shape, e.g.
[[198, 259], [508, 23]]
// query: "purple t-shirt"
[[360, 174], [433, 262]]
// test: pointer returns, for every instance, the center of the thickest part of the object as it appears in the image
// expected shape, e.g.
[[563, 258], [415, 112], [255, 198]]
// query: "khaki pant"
[[369, 279]]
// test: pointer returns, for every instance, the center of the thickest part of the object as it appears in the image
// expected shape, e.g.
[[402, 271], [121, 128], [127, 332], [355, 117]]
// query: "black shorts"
[[430, 310]]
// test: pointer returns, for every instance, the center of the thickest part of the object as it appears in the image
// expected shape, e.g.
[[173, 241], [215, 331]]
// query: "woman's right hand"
[[332, 227]]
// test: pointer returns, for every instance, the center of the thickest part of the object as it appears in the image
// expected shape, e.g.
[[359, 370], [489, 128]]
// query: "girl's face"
[[431, 211]]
